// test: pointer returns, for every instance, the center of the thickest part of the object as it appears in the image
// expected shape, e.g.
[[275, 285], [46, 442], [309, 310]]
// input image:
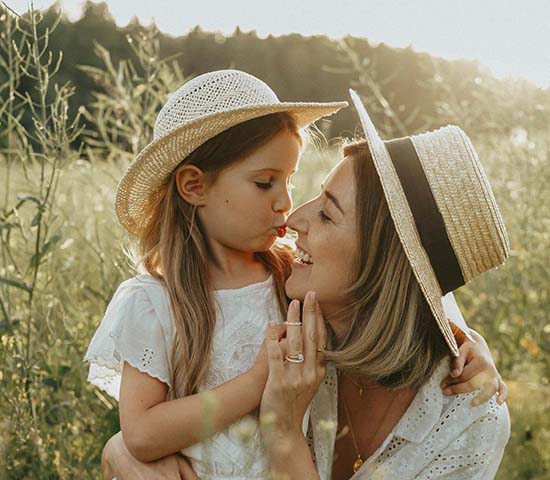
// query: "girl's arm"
[[153, 427]]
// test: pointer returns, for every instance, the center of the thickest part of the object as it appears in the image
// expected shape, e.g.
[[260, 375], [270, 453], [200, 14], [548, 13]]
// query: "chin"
[[294, 289]]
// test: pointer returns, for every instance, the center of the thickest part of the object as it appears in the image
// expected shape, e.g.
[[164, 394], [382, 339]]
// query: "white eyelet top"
[[137, 328], [438, 437]]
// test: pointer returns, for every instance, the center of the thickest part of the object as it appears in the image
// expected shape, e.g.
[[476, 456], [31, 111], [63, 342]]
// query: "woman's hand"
[[474, 369], [118, 462], [291, 385]]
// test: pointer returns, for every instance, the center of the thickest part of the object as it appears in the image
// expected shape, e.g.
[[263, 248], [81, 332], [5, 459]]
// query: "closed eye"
[[264, 186], [324, 217]]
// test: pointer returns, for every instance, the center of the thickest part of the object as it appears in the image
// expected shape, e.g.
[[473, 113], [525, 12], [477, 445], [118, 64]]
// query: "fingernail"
[[443, 384], [295, 304], [455, 372], [447, 391]]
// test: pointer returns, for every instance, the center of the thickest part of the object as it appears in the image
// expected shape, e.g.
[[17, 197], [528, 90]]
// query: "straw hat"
[[443, 209], [196, 112]]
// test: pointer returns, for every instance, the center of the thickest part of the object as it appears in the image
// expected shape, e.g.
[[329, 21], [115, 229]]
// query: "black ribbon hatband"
[[428, 219]]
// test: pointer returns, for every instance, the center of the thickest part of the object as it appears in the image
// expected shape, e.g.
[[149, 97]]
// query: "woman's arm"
[[116, 461], [153, 428], [289, 390]]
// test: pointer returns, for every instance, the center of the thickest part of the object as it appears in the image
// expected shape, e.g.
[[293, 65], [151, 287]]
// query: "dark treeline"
[[419, 87]]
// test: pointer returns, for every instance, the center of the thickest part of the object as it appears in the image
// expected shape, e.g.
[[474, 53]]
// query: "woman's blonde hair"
[[393, 338], [173, 248]]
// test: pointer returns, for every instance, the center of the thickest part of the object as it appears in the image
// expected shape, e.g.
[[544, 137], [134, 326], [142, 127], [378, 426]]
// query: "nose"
[[297, 220], [283, 203]]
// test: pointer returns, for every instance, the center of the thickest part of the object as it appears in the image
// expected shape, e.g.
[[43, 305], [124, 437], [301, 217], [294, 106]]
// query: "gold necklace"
[[359, 461], [358, 385]]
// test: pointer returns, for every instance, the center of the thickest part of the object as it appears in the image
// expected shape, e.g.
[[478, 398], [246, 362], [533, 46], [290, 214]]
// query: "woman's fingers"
[[322, 337], [294, 329], [186, 471], [309, 329]]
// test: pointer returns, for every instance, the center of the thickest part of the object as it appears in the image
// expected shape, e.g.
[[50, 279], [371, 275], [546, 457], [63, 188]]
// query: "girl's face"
[[249, 200], [327, 241]]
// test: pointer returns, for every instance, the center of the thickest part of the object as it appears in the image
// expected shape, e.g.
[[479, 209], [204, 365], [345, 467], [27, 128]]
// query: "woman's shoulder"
[[434, 414]]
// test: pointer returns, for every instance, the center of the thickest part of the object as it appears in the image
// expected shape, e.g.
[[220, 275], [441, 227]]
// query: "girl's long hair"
[[173, 248]]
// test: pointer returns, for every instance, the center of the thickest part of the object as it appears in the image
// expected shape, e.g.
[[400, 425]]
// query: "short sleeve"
[[134, 329]]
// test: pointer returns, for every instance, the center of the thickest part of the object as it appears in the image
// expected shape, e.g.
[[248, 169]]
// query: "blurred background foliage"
[[78, 101]]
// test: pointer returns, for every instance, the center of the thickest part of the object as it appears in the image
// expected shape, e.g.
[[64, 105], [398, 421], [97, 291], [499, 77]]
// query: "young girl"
[[179, 345]]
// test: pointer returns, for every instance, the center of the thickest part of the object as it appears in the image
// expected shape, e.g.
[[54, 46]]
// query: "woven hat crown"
[[209, 94], [464, 198]]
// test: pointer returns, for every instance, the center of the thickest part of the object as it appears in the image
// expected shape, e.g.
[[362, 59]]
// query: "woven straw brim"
[[158, 159], [472, 219]]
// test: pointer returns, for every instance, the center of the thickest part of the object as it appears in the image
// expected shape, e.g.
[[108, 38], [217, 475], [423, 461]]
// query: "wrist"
[[283, 442], [293, 446], [256, 380]]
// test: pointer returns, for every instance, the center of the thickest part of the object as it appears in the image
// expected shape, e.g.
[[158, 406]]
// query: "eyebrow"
[[272, 170], [334, 200]]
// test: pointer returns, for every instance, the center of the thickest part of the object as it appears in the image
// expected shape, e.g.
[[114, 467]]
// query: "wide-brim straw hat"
[[198, 111], [443, 209]]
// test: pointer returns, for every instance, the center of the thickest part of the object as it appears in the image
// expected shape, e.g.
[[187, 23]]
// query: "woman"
[[331, 260], [409, 219]]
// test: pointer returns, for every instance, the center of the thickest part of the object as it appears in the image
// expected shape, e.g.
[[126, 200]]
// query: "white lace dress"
[[438, 437], [137, 328]]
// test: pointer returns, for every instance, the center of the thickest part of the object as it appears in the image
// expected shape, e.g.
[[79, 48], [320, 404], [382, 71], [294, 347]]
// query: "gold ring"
[[294, 324], [295, 358]]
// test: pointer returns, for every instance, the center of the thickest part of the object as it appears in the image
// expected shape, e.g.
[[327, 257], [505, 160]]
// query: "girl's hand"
[[475, 369], [291, 385], [118, 462]]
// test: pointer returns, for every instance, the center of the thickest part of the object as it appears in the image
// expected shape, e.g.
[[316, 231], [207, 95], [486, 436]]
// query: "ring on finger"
[[294, 324], [299, 358]]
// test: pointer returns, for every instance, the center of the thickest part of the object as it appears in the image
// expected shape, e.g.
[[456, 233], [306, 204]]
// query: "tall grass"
[[61, 254]]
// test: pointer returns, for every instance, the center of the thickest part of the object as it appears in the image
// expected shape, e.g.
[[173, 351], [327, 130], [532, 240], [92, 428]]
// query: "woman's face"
[[327, 241]]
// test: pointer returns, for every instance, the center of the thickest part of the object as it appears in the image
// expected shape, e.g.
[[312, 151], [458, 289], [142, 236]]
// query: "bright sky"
[[511, 37]]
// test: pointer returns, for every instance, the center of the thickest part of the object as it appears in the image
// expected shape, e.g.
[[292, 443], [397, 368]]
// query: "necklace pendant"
[[360, 391], [357, 464]]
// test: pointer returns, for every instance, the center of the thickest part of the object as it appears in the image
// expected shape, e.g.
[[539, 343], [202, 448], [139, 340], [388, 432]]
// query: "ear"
[[192, 182]]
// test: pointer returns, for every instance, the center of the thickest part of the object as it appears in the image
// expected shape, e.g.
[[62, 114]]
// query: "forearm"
[[176, 424], [290, 458]]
